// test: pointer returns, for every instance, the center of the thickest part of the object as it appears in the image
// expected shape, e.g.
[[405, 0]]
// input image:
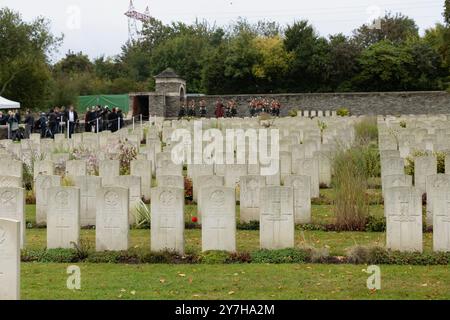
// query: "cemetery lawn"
[[223, 282]]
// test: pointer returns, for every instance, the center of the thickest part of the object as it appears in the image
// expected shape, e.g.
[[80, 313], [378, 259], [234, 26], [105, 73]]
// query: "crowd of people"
[[59, 120], [263, 105], [98, 119], [229, 108]]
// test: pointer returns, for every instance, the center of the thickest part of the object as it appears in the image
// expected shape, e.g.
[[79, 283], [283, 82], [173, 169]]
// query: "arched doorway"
[[182, 96]]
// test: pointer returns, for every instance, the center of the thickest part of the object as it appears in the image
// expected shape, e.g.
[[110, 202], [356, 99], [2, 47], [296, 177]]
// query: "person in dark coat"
[[203, 111], [53, 122], [3, 119], [112, 120], [182, 113], [29, 124]]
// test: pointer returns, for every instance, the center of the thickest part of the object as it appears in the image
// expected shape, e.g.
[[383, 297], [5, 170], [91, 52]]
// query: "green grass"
[[223, 282], [119, 281], [246, 240]]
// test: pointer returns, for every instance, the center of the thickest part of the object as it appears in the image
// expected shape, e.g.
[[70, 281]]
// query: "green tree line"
[[239, 58]]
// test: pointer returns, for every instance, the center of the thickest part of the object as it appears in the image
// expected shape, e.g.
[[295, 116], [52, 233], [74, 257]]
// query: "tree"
[[395, 28], [446, 13], [184, 53], [273, 63], [383, 68], [439, 39], [343, 66], [24, 56], [308, 70], [74, 63], [239, 62]]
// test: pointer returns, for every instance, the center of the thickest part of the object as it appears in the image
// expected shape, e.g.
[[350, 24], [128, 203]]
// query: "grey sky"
[[99, 27]]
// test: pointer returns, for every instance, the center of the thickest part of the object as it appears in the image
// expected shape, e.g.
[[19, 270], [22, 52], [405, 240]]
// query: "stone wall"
[[373, 103]]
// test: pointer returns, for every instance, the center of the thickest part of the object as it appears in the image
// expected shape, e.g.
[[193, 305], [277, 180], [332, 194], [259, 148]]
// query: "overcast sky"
[[99, 27]]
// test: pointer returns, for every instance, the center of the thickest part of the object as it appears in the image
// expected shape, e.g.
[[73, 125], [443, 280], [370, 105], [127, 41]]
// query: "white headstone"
[[250, 187], [9, 181], [232, 174], [403, 209], [167, 215], [112, 221], [218, 219], [302, 197], [76, 168], [441, 220], [134, 185], [12, 206], [310, 167], [12, 168], [277, 226], [424, 167], [207, 182], [63, 218], [44, 167], [43, 183], [88, 188], [171, 181], [143, 169], [108, 169], [9, 259], [433, 185]]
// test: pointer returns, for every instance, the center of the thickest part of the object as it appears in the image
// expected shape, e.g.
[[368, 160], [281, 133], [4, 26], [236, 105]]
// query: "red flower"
[[194, 219]]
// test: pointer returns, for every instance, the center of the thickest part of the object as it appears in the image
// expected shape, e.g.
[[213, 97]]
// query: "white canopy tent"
[[8, 104]]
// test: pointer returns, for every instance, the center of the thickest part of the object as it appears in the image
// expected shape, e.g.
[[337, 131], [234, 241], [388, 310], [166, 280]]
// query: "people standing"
[[43, 125], [203, 111], [220, 112], [183, 111], [13, 121], [29, 124], [71, 118], [53, 122], [3, 119]]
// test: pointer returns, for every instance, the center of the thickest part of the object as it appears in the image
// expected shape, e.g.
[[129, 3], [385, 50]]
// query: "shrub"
[[403, 124], [366, 131], [239, 257], [214, 257], [59, 256], [293, 113], [343, 112], [350, 182], [281, 256], [103, 257], [376, 224], [143, 216], [252, 225]]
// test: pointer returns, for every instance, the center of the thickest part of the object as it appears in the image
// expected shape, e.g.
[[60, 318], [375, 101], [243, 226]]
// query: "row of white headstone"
[[112, 220]]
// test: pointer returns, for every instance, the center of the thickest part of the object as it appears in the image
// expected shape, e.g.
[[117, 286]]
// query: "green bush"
[[104, 257], [281, 256], [215, 257], [343, 112], [60, 256], [293, 113], [249, 226], [376, 224], [380, 256]]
